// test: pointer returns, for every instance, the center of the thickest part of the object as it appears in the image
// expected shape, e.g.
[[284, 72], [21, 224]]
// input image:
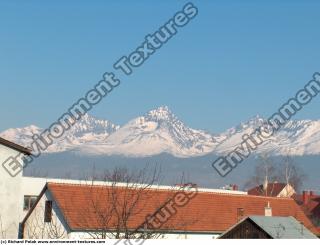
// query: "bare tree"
[[268, 172], [122, 198], [265, 173], [291, 173], [36, 228]]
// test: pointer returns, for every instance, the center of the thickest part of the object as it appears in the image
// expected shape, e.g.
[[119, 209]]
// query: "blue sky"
[[233, 61]]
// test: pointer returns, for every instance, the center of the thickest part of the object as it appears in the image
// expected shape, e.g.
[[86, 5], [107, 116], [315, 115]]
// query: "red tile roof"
[[206, 212], [312, 205], [312, 202], [273, 190]]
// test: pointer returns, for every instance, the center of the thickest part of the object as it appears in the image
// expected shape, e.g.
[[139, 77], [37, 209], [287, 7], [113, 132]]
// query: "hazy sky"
[[233, 61]]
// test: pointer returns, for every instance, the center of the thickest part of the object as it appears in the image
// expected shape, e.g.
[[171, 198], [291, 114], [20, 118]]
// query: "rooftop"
[[283, 227], [273, 189], [206, 212]]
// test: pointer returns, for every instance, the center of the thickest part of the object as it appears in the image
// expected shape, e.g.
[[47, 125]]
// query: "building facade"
[[11, 193]]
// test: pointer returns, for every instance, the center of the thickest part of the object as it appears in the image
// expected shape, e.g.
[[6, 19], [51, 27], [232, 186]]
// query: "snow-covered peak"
[[253, 122], [88, 129], [256, 120], [156, 132], [250, 125], [161, 113], [21, 135], [89, 124], [160, 131]]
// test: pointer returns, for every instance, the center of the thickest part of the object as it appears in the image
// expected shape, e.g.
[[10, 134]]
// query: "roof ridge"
[[166, 190]]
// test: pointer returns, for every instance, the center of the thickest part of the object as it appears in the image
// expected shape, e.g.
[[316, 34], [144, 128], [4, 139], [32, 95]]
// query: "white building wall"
[[287, 191], [36, 228], [31, 187], [11, 200]]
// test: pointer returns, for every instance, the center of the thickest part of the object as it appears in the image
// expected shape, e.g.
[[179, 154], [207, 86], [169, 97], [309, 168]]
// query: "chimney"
[[268, 210], [235, 187], [240, 214], [305, 197]]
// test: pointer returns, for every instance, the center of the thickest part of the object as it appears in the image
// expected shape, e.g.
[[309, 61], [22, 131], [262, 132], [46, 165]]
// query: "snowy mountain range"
[[160, 131]]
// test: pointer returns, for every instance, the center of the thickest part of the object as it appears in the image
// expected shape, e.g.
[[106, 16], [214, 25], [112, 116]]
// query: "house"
[[274, 189], [78, 211], [310, 204], [10, 188], [308, 200], [17, 192], [265, 227]]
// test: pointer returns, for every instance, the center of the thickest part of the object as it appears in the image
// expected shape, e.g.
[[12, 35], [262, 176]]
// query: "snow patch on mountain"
[[86, 130], [156, 132], [160, 131]]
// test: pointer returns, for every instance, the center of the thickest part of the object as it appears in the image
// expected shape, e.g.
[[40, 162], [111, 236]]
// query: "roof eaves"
[[59, 206], [15, 146]]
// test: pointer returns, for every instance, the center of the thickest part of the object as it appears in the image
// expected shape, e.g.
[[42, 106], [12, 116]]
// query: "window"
[[28, 202], [48, 212]]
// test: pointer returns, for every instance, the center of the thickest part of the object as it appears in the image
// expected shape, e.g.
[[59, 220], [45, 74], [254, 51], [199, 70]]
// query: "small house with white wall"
[[274, 189], [81, 211], [11, 195]]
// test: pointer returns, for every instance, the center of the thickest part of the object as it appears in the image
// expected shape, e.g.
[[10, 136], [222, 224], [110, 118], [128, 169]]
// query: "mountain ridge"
[[160, 131]]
